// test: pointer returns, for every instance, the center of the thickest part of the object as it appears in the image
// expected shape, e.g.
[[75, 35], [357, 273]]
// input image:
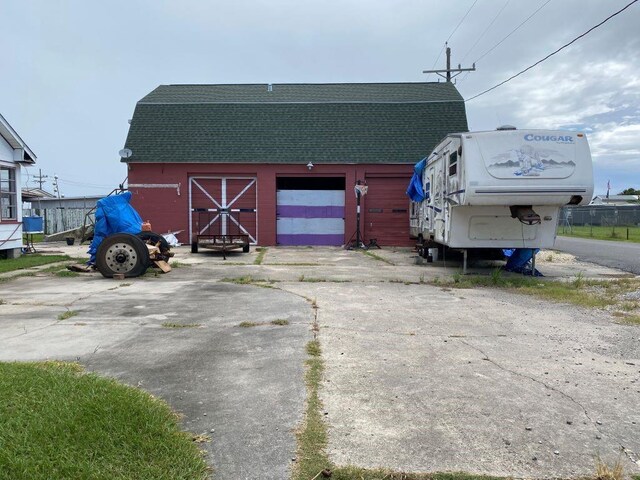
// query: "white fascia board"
[[12, 137]]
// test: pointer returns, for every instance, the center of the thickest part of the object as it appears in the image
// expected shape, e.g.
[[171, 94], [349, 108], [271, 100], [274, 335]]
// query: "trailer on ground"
[[218, 230]]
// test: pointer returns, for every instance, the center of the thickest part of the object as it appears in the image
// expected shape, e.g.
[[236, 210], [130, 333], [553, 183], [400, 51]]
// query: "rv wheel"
[[194, 247], [123, 254], [245, 248]]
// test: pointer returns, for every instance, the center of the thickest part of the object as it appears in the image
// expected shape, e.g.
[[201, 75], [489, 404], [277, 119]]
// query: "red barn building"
[[280, 161]]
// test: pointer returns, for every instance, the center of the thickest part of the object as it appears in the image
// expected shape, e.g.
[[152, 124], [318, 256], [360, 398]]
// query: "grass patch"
[[299, 264], [376, 257], [59, 422], [312, 436], [581, 291], [249, 280], [28, 261], [35, 238], [302, 278], [605, 471], [350, 473], [67, 273], [68, 314], [598, 232], [248, 324], [244, 280], [175, 264], [631, 319], [279, 321], [181, 325], [260, 257]]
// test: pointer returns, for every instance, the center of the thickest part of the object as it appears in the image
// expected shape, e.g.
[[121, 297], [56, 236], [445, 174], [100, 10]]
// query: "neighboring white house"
[[13, 154], [615, 200]]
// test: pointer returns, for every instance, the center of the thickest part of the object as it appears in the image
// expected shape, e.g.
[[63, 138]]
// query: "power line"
[[485, 30], [512, 31], [454, 31], [553, 53], [462, 20], [83, 184]]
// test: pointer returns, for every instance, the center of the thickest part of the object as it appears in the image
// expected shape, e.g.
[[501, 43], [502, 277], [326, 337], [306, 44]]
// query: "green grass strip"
[[369, 253], [597, 232], [58, 422], [580, 291], [312, 437], [28, 261], [260, 257], [350, 473]]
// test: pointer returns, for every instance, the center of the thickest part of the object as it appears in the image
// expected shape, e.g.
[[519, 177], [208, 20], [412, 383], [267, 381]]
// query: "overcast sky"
[[73, 70]]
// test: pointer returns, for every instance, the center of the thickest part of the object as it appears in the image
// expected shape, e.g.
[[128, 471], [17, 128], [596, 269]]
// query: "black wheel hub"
[[121, 257]]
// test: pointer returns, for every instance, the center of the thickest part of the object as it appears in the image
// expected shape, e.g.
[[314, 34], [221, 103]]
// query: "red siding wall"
[[169, 211]]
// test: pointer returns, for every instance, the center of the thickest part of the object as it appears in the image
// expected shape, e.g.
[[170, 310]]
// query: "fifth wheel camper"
[[499, 189]]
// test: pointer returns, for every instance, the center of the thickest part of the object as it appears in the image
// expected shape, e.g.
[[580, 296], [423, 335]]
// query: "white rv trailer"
[[501, 189]]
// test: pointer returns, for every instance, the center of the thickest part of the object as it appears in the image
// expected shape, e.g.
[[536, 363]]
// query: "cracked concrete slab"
[[241, 387], [423, 379], [419, 378]]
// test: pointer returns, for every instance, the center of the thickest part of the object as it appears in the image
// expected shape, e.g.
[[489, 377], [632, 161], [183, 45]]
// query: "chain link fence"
[[601, 221]]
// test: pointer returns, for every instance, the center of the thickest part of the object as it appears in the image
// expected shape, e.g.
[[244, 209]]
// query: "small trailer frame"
[[213, 232]]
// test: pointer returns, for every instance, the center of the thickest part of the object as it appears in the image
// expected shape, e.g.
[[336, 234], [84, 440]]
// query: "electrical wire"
[[485, 31], [512, 31], [83, 184], [553, 53], [449, 38], [462, 20]]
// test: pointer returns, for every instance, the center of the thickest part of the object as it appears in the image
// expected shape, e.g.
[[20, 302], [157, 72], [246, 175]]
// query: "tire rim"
[[121, 258]]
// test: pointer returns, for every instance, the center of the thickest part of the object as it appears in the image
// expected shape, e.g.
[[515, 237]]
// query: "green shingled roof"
[[294, 123]]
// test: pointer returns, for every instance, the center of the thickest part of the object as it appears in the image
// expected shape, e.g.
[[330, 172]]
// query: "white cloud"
[[616, 143]]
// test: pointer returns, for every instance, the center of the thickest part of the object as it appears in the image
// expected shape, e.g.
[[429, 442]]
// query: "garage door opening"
[[310, 211]]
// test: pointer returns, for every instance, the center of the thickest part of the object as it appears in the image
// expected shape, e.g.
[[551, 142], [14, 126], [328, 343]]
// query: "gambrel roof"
[[294, 123]]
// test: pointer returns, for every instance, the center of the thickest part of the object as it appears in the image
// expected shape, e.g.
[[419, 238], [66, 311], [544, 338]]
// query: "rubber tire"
[[153, 238], [137, 246], [245, 248], [194, 247]]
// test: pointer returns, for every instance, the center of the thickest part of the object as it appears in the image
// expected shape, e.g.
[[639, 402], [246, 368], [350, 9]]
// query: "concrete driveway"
[[419, 378]]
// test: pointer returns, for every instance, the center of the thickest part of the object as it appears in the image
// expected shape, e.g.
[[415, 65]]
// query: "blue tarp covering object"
[[415, 191], [114, 214], [520, 260]]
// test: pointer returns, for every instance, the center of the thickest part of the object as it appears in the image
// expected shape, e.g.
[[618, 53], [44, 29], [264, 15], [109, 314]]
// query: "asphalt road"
[[622, 255]]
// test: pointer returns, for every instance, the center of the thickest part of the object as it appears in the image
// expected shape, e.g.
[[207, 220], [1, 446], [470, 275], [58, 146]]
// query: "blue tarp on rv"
[[415, 191], [114, 214]]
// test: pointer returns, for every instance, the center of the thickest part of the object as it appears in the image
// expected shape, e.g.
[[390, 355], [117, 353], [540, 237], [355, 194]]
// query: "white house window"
[[8, 197]]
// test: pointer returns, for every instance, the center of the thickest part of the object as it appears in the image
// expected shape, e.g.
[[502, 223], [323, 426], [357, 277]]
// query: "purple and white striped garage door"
[[310, 217]]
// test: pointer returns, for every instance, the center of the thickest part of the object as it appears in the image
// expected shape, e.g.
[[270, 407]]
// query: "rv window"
[[453, 163]]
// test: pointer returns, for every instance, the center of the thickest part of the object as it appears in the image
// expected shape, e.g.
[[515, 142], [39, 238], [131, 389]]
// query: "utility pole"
[[41, 178], [449, 70]]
